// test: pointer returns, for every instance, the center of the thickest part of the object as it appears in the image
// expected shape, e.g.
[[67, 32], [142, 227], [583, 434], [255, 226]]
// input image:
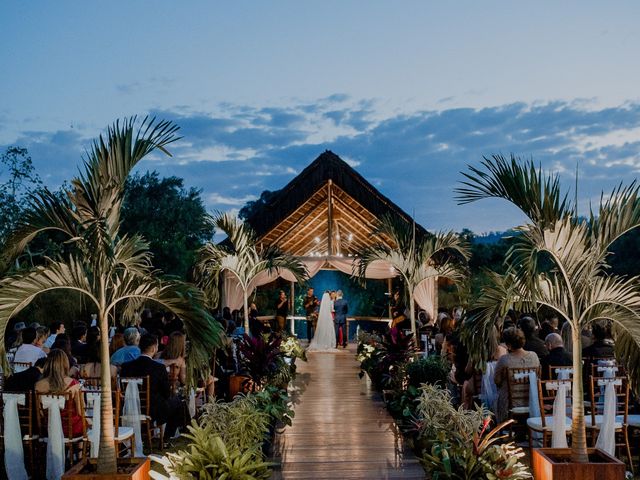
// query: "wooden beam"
[[308, 230], [330, 216]]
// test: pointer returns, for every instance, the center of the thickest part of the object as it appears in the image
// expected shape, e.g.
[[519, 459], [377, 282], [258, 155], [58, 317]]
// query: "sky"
[[408, 93]]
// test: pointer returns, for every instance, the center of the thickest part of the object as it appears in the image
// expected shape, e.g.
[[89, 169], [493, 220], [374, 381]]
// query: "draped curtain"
[[425, 292]]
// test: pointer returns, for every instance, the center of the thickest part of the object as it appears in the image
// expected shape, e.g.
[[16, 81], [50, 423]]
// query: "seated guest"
[[78, 342], [117, 342], [31, 348], [164, 408], [56, 379], [56, 328], [517, 357], [558, 356], [601, 346], [63, 343], [92, 367], [14, 339], [42, 333], [174, 354], [130, 351], [25, 381], [533, 342]]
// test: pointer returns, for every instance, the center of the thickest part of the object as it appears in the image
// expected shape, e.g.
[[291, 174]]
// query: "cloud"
[[413, 157]]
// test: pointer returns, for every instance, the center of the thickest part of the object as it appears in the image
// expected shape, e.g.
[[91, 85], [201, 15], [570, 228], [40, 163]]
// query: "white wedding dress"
[[324, 339]]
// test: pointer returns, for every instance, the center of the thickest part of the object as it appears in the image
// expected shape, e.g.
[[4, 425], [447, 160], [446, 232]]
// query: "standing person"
[[341, 307], [310, 305], [282, 310], [324, 336]]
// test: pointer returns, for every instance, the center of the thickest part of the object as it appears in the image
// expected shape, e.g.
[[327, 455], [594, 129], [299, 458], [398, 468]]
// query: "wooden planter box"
[[239, 384], [556, 464], [140, 468]]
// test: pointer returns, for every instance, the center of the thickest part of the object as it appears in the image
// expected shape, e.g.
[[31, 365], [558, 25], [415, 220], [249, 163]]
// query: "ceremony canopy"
[[325, 216]]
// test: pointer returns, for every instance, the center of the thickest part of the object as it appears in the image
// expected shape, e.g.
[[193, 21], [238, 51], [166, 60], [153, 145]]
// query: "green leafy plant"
[[208, 457], [456, 443], [239, 423], [432, 370], [292, 347], [261, 357], [274, 402]]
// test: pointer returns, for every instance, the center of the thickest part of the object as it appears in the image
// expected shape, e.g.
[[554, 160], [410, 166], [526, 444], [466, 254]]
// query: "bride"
[[325, 338]]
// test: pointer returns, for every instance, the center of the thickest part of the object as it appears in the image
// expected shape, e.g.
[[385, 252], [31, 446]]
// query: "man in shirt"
[[557, 357], [29, 351], [533, 342], [282, 310], [56, 328], [130, 351]]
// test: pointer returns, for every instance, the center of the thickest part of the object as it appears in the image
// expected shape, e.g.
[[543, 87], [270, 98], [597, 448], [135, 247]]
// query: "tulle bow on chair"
[[534, 401], [131, 416], [488, 387], [93, 402], [13, 450], [564, 373], [55, 437], [606, 438], [559, 429]]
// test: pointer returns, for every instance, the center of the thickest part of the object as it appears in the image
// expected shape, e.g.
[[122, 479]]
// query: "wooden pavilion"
[[325, 216]]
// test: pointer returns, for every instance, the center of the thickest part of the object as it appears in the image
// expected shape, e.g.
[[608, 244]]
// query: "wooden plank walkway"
[[341, 428]]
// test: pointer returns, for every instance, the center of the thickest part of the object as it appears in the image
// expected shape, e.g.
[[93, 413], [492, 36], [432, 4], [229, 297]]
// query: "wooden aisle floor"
[[341, 429]]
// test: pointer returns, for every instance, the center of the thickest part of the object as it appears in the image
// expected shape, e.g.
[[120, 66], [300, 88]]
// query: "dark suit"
[[163, 408], [341, 307], [24, 381], [558, 357]]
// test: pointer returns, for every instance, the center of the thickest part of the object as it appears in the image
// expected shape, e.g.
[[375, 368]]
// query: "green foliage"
[[274, 402], [432, 370], [292, 347], [261, 358], [254, 206], [153, 207], [239, 423], [456, 443], [209, 457]]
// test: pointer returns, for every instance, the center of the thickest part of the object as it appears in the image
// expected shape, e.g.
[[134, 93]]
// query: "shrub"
[[432, 370]]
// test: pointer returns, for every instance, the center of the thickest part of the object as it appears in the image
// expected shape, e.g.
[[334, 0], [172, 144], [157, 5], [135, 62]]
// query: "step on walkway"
[[341, 429]]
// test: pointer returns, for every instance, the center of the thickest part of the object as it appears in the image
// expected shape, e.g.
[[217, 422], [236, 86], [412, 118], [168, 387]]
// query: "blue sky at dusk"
[[408, 93]]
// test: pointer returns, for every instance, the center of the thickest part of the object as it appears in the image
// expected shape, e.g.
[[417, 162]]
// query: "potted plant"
[[110, 269], [559, 260]]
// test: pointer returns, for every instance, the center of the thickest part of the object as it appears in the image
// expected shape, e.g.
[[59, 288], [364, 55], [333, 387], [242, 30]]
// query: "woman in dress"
[[517, 357], [56, 379], [324, 339]]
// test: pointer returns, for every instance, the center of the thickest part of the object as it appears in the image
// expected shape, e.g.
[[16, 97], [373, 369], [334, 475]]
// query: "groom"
[[341, 308]]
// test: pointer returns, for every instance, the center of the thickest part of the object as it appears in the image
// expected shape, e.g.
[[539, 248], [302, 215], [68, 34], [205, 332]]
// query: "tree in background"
[[153, 207], [254, 205]]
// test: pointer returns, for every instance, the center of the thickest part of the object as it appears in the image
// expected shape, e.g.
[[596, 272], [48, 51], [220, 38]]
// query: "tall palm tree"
[[107, 268], [558, 260], [241, 257], [415, 258]]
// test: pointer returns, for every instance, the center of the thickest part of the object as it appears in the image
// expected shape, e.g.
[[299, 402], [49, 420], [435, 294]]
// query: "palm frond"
[[617, 215], [537, 195]]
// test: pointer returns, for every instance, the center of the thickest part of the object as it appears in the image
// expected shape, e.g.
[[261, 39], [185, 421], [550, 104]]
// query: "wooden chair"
[[72, 443], [544, 423], [519, 395], [122, 435], [28, 429], [145, 409], [594, 421]]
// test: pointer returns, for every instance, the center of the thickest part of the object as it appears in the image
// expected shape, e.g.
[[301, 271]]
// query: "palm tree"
[[241, 257], [558, 260], [107, 268], [415, 258]]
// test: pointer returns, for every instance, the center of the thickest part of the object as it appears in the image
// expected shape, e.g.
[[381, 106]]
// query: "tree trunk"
[[107, 457], [578, 430], [246, 312], [413, 317]]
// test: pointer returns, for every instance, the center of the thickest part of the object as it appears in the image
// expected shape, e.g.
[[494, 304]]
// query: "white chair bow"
[[558, 430], [534, 401], [192, 402], [93, 402], [13, 450], [55, 439], [564, 373], [488, 387], [606, 438], [131, 416]]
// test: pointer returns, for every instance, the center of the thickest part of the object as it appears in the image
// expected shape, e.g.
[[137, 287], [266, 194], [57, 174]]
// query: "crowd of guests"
[[49, 360], [516, 341]]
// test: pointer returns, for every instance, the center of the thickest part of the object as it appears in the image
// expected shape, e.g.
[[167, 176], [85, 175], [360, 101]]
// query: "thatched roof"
[[328, 209]]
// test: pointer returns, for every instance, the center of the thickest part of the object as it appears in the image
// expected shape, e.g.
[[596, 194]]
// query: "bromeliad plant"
[[261, 358], [108, 268], [559, 260]]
